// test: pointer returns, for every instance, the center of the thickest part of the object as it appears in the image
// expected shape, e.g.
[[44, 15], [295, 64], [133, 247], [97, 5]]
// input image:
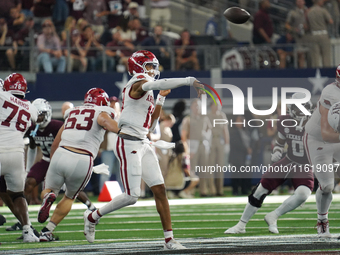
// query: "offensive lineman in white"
[[322, 144], [72, 153], [16, 116], [137, 159]]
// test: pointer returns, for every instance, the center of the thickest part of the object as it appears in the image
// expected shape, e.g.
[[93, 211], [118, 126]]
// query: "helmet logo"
[[138, 54]]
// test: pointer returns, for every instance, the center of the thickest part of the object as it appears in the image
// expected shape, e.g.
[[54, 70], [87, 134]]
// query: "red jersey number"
[[75, 121], [22, 120]]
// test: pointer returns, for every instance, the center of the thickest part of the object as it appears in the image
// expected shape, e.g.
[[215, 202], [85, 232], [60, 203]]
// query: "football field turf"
[[196, 222]]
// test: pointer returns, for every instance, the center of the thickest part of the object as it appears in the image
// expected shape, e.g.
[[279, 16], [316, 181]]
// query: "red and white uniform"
[[329, 96], [81, 128], [81, 131], [135, 119], [319, 152], [137, 159], [16, 116]]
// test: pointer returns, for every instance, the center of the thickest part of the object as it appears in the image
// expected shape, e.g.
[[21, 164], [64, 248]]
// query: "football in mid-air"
[[236, 15]]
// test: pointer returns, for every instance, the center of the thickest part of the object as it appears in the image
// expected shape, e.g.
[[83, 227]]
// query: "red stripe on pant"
[[121, 163], [87, 178], [125, 170]]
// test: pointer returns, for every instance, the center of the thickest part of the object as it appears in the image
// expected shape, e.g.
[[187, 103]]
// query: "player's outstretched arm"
[[105, 120], [165, 84], [56, 141], [140, 87], [327, 132]]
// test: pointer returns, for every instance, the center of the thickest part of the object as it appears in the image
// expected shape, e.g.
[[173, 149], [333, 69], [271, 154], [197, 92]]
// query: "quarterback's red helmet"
[[16, 84], [138, 61], [96, 96]]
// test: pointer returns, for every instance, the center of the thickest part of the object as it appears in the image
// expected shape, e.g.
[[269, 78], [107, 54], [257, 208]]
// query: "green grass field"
[[189, 221]]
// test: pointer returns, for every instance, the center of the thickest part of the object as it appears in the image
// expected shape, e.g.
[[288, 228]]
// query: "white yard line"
[[195, 201]]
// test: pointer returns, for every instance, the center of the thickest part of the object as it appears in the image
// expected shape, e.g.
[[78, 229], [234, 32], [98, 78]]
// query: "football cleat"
[[89, 227], [15, 227], [47, 237], [29, 236], [2, 220], [44, 211], [173, 245], [323, 229], [237, 229], [271, 220], [34, 231]]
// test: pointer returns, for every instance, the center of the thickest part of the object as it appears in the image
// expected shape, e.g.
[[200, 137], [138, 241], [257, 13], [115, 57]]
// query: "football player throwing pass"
[[140, 113]]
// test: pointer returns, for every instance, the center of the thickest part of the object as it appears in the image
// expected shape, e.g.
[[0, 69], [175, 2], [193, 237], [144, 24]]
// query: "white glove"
[[276, 156], [226, 148], [101, 169]]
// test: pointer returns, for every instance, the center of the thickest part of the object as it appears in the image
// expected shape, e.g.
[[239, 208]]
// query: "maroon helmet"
[[138, 61], [16, 84], [96, 96]]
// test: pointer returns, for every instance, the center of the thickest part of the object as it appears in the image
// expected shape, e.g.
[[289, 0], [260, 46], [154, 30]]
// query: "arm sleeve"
[[164, 84]]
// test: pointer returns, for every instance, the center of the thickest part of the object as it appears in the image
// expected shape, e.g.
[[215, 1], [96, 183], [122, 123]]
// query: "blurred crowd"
[[100, 35], [309, 28], [96, 31]]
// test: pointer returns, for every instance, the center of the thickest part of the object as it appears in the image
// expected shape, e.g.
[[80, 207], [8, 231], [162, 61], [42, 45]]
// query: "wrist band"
[[160, 100]]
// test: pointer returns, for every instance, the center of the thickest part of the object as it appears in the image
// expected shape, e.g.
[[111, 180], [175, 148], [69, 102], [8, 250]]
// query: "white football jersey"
[[329, 96], [135, 118], [81, 129], [16, 116]]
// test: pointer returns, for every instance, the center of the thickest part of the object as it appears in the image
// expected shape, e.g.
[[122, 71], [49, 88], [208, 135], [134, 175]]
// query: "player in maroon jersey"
[[294, 166]]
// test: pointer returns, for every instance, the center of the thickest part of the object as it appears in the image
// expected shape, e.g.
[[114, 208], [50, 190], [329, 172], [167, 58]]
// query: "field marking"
[[227, 245], [196, 201], [159, 229], [181, 221]]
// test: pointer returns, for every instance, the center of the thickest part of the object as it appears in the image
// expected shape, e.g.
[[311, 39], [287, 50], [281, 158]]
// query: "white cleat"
[[29, 236], [323, 229], [237, 229], [271, 220], [173, 245], [89, 227]]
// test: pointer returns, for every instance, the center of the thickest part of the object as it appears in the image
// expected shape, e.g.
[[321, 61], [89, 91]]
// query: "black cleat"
[[2, 220], [15, 227]]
